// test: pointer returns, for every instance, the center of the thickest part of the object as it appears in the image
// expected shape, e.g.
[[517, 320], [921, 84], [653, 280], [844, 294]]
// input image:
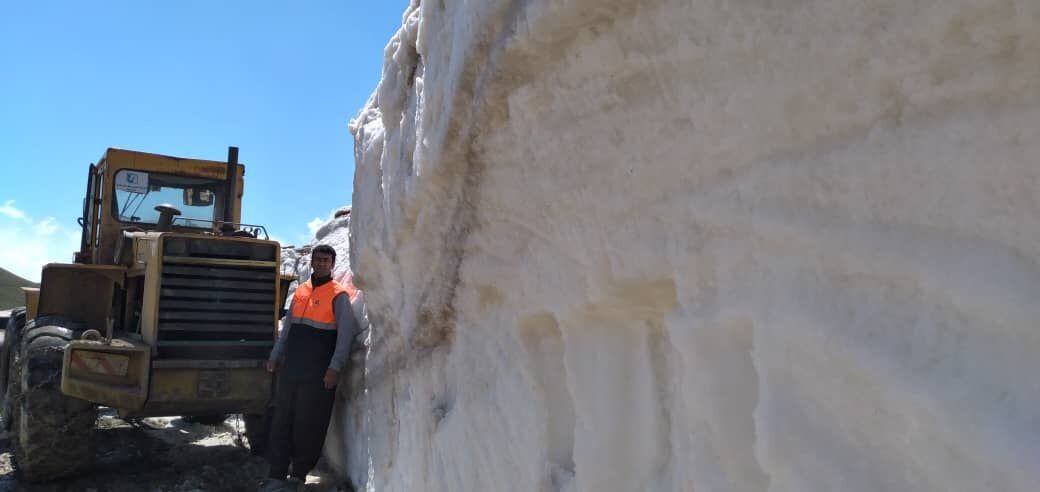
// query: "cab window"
[[138, 192]]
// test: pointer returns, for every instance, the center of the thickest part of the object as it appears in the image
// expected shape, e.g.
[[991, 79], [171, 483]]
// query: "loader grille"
[[220, 309]]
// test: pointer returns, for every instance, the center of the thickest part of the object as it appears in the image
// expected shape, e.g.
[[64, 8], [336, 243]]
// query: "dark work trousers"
[[302, 404]]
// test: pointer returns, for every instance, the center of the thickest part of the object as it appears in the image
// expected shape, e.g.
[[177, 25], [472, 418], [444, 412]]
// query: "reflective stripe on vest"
[[312, 306]]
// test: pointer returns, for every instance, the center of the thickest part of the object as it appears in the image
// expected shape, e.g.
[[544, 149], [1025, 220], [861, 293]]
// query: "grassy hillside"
[[10, 289]]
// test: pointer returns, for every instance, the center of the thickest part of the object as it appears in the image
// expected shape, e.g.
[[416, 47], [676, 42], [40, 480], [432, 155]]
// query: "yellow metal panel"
[[279, 292], [188, 260], [32, 301], [106, 227], [80, 292], [100, 363], [150, 303], [115, 374], [178, 165], [237, 239], [180, 391], [217, 384], [173, 385], [145, 248], [284, 281]]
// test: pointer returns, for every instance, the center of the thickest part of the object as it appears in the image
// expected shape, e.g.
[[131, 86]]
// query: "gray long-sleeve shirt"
[[347, 328]]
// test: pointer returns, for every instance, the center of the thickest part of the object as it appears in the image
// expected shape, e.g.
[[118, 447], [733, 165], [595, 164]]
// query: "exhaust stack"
[[230, 182]]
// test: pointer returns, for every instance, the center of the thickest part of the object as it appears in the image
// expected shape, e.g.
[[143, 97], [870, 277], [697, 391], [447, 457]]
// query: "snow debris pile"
[[334, 232], [722, 246]]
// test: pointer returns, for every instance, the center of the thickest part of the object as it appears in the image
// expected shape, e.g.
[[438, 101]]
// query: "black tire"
[[258, 428], [4, 320], [206, 419], [55, 432], [9, 374]]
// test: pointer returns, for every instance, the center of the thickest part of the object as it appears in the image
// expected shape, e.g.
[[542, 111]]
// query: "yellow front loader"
[[169, 308]]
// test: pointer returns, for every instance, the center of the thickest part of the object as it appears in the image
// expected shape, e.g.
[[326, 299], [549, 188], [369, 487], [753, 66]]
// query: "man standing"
[[309, 356]]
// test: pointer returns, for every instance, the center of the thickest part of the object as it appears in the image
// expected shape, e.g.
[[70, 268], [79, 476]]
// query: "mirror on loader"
[[198, 197]]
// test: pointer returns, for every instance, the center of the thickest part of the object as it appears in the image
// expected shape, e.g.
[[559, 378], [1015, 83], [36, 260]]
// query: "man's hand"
[[331, 375], [273, 365]]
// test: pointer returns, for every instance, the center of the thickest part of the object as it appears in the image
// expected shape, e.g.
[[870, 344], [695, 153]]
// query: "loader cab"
[[125, 187]]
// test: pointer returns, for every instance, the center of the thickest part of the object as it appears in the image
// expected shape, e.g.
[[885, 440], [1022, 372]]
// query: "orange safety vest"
[[313, 306]]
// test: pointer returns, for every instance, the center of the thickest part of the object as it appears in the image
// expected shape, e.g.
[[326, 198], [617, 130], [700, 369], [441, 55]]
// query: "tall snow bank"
[[726, 246]]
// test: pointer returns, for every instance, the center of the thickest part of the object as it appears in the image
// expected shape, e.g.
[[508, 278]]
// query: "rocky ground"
[[163, 454]]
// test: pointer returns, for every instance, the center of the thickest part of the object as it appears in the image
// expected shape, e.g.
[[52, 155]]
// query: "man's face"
[[321, 264]]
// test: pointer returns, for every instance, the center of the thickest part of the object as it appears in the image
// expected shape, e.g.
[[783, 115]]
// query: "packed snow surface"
[[648, 245]]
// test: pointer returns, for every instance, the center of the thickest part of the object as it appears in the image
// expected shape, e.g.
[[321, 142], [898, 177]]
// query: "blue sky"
[[280, 80]]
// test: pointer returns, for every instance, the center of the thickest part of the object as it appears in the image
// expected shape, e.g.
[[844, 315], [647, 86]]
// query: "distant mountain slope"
[[10, 289]]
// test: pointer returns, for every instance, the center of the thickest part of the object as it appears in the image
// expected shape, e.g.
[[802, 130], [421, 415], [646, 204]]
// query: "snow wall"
[[648, 245]]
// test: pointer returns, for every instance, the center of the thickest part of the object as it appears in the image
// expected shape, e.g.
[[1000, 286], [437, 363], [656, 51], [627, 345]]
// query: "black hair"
[[324, 249]]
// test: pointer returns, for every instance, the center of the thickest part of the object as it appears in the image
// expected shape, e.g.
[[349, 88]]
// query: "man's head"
[[323, 259]]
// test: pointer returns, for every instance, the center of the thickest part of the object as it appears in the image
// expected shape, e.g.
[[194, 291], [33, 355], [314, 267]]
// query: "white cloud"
[[46, 227], [27, 245], [314, 225], [25, 254], [13, 212]]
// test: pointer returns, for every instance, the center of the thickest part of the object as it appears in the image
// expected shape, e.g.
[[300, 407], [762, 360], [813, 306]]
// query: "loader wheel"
[[55, 432], [258, 428], [216, 419], [8, 367]]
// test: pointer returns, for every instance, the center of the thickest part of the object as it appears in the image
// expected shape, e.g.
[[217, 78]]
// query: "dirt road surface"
[[163, 454]]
